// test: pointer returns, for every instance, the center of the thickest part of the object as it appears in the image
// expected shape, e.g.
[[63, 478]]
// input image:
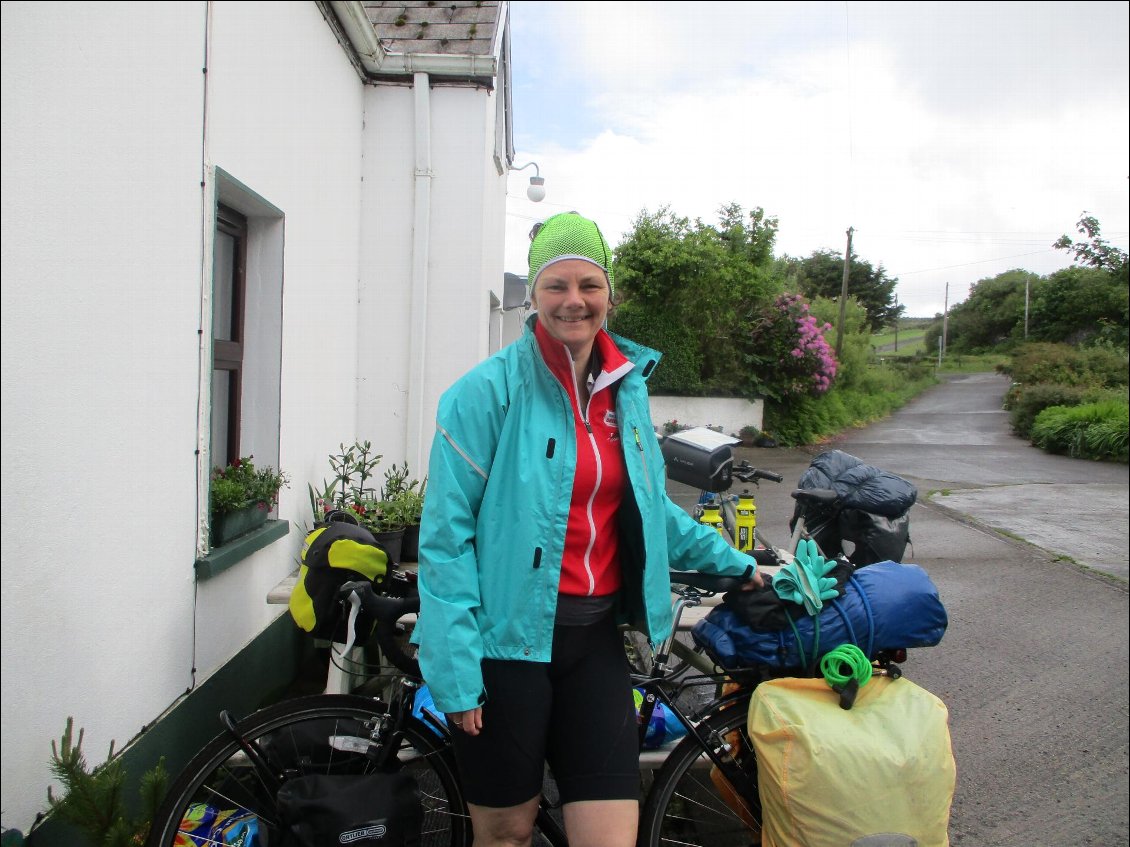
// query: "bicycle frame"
[[654, 692]]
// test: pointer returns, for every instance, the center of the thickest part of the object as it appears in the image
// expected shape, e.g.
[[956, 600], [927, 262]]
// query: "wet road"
[[955, 443], [1034, 665], [1029, 553]]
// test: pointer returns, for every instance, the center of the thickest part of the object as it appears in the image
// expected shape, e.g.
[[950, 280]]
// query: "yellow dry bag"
[[831, 777]]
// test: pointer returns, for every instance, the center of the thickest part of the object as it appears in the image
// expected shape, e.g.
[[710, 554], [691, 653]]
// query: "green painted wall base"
[[260, 674]]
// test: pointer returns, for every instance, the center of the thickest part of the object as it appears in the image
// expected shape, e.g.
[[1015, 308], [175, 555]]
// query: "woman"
[[546, 526]]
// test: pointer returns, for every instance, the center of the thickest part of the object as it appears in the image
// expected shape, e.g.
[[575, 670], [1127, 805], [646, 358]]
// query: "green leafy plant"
[[787, 354], [1092, 431], [93, 800], [402, 499], [396, 505], [407, 505], [672, 426], [241, 484], [321, 500]]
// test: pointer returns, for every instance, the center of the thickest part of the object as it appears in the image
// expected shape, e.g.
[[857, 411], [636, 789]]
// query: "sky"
[[957, 140]]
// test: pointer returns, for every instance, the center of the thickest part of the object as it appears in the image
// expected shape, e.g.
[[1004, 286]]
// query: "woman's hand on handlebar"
[[754, 582], [471, 722]]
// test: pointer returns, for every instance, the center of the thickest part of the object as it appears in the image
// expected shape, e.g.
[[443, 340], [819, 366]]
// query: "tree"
[[1077, 305], [1095, 252], [822, 275], [1084, 306], [704, 280], [991, 315], [755, 241]]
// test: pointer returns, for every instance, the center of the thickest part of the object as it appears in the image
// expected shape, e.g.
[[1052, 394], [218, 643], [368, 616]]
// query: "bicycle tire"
[[684, 805], [222, 772]]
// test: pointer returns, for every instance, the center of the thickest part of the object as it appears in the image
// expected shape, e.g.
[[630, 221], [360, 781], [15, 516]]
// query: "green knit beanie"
[[569, 236]]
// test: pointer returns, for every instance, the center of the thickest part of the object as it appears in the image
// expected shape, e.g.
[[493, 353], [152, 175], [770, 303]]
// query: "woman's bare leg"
[[512, 826]]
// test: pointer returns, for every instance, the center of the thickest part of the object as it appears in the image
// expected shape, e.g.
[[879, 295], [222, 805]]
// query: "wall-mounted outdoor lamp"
[[536, 191]]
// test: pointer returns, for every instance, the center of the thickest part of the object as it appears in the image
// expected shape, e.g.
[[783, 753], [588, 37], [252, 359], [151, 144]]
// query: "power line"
[[967, 264]]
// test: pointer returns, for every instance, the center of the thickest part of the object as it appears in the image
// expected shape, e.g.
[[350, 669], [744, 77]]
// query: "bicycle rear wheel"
[[320, 734], [690, 804]]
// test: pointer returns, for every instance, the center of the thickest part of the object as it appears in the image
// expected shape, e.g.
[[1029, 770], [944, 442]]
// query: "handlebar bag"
[[331, 556], [378, 808], [830, 777], [884, 606]]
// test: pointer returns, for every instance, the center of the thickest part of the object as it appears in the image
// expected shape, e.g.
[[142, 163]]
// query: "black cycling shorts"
[[575, 713]]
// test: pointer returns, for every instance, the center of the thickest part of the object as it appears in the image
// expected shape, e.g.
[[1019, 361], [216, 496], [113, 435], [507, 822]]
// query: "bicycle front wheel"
[[691, 804], [323, 734]]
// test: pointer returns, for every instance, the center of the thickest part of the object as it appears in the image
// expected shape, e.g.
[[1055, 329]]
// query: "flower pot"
[[410, 548], [231, 525], [392, 541]]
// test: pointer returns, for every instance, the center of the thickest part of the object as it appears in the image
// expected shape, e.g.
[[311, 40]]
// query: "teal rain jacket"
[[500, 479]]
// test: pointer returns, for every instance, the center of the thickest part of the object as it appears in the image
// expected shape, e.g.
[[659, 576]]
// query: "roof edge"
[[380, 62]]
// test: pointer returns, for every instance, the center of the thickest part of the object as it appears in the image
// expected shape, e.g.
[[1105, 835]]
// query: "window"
[[229, 291], [241, 365]]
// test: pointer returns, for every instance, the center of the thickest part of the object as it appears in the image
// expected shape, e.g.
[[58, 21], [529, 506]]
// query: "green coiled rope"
[[844, 664]]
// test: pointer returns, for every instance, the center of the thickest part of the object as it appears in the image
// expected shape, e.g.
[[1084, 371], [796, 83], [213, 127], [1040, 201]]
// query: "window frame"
[[227, 355], [260, 258]]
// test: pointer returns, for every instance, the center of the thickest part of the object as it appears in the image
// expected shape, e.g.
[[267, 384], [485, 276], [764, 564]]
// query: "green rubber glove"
[[787, 583], [817, 568]]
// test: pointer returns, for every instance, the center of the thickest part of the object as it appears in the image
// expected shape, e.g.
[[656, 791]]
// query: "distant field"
[[906, 342]]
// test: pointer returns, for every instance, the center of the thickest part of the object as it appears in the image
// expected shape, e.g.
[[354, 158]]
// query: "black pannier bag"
[[876, 538], [381, 809], [873, 506]]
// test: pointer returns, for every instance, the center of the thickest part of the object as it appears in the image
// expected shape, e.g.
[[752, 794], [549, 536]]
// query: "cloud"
[[959, 140]]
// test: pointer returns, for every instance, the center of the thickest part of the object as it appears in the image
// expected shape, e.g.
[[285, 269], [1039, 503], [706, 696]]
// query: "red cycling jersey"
[[591, 564]]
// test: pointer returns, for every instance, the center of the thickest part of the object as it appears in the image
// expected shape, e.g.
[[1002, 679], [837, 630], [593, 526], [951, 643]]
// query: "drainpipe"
[[421, 250]]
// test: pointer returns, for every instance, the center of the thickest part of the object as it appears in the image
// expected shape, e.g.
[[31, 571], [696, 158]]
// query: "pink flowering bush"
[[787, 354]]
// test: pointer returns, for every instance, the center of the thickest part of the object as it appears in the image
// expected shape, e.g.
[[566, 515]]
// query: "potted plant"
[[350, 491], [408, 506], [390, 513], [240, 497], [398, 511]]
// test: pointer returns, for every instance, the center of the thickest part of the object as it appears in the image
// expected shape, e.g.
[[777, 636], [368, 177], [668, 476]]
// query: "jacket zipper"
[[584, 415]]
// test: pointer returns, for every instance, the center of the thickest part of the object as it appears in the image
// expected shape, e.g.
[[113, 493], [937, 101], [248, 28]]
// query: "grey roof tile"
[[458, 27]]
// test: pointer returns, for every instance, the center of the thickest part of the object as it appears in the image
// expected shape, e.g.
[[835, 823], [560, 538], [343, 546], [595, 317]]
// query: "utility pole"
[[896, 323], [843, 296], [1027, 283], [945, 323]]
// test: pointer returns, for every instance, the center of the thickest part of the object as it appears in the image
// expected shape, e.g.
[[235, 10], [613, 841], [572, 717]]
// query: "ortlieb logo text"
[[377, 831]]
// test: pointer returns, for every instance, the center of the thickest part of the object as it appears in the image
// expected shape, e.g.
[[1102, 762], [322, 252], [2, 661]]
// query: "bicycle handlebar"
[[386, 611], [710, 583], [747, 473]]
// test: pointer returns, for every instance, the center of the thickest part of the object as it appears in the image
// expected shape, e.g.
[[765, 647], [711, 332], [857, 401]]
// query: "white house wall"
[[285, 119], [103, 124], [465, 259]]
